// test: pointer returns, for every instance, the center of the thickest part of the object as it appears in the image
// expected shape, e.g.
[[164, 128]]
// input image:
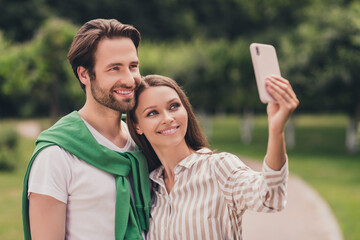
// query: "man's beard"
[[108, 99]]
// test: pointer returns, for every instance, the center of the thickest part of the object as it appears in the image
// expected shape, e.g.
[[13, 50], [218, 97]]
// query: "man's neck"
[[107, 122]]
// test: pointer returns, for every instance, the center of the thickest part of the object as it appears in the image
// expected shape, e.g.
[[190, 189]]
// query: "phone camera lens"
[[257, 51]]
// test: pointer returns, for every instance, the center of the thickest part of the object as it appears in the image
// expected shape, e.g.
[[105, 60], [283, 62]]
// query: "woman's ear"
[[138, 129], [83, 75]]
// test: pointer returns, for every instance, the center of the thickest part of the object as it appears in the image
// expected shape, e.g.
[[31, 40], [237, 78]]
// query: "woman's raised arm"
[[278, 114]]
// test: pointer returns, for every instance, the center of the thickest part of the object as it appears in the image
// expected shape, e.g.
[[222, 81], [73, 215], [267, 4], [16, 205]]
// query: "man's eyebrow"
[[114, 64], [121, 64]]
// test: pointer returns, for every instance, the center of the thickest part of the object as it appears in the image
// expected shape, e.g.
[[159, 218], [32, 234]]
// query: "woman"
[[199, 194]]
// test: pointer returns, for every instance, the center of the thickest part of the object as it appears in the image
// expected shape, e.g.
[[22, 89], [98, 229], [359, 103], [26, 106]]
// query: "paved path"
[[306, 216]]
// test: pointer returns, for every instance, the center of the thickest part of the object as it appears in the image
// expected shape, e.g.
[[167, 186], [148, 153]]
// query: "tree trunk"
[[352, 135], [246, 126], [353, 129], [290, 134]]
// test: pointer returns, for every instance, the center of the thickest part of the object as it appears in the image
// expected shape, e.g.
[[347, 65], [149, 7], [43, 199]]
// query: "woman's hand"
[[278, 113], [286, 102]]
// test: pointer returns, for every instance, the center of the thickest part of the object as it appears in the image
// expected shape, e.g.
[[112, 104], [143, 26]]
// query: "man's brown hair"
[[84, 45]]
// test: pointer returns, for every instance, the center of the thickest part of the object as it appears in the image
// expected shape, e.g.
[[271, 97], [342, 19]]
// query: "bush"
[[39, 72], [9, 140]]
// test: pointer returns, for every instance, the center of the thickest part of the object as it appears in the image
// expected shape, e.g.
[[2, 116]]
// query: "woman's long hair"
[[194, 137]]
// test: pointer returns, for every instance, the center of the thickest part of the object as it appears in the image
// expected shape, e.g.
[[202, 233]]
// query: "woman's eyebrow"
[[153, 106]]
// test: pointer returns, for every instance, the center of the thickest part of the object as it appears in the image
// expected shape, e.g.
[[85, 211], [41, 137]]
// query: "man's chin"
[[124, 106]]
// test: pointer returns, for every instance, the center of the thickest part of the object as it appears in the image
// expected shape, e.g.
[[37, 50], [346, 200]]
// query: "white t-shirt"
[[88, 192]]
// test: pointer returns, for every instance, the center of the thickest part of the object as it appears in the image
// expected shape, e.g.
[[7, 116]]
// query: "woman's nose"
[[167, 117]]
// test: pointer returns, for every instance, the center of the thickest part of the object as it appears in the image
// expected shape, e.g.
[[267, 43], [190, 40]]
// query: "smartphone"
[[265, 64]]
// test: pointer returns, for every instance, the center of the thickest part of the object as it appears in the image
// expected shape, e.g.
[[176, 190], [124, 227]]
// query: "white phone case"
[[265, 63]]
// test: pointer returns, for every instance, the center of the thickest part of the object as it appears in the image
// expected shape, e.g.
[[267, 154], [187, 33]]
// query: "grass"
[[10, 197], [319, 157], [11, 186]]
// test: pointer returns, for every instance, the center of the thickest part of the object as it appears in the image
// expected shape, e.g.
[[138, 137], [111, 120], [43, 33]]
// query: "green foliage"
[[3, 42], [321, 56], [317, 43], [38, 72], [179, 19], [20, 19], [55, 79], [8, 149]]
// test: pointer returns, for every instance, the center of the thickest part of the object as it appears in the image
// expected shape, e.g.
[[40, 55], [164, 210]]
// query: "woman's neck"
[[170, 158]]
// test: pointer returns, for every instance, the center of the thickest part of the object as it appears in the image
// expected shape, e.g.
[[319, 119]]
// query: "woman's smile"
[[169, 131]]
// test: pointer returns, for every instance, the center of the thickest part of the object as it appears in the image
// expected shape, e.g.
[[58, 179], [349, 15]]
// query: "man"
[[78, 185]]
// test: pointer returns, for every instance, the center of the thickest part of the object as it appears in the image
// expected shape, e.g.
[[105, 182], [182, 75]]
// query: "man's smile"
[[124, 92]]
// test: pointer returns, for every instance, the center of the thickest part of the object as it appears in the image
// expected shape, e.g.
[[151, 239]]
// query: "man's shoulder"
[[53, 149], [54, 152]]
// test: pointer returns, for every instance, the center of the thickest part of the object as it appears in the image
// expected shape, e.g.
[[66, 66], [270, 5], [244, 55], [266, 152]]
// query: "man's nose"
[[129, 78]]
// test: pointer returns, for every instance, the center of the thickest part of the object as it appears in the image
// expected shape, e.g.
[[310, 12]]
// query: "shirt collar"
[[186, 163], [190, 160]]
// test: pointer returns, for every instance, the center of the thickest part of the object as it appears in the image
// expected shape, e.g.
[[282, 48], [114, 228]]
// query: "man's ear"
[[83, 75]]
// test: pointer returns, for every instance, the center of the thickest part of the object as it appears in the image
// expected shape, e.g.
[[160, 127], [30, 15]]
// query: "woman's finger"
[[284, 83], [282, 96]]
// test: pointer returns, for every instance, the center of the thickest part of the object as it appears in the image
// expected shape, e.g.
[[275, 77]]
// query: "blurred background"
[[204, 45]]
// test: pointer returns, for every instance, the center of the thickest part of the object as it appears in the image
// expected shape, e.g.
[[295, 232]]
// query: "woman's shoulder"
[[226, 160], [213, 154]]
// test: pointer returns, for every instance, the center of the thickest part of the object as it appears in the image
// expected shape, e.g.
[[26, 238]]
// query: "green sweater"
[[71, 134]]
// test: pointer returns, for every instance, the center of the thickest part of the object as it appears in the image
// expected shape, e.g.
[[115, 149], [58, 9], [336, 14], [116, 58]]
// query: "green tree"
[[56, 83], [19, 19], [36, 77], [185, 19], [322, 57]]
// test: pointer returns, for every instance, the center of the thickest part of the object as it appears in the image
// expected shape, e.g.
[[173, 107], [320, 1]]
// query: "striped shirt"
[[210, 194]]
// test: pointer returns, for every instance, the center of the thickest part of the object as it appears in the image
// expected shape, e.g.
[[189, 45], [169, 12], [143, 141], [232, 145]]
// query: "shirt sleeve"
[[50, 174], [244, 188]]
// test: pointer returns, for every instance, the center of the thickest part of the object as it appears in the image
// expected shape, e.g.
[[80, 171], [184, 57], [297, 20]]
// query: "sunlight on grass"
[[322, 121]]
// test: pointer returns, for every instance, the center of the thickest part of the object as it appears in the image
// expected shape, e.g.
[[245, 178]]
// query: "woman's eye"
[[152, 113], [174, 106]]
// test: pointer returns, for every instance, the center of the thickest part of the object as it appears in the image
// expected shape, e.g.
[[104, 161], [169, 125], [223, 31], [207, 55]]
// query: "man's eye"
[[133, 66], [114, 69]]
